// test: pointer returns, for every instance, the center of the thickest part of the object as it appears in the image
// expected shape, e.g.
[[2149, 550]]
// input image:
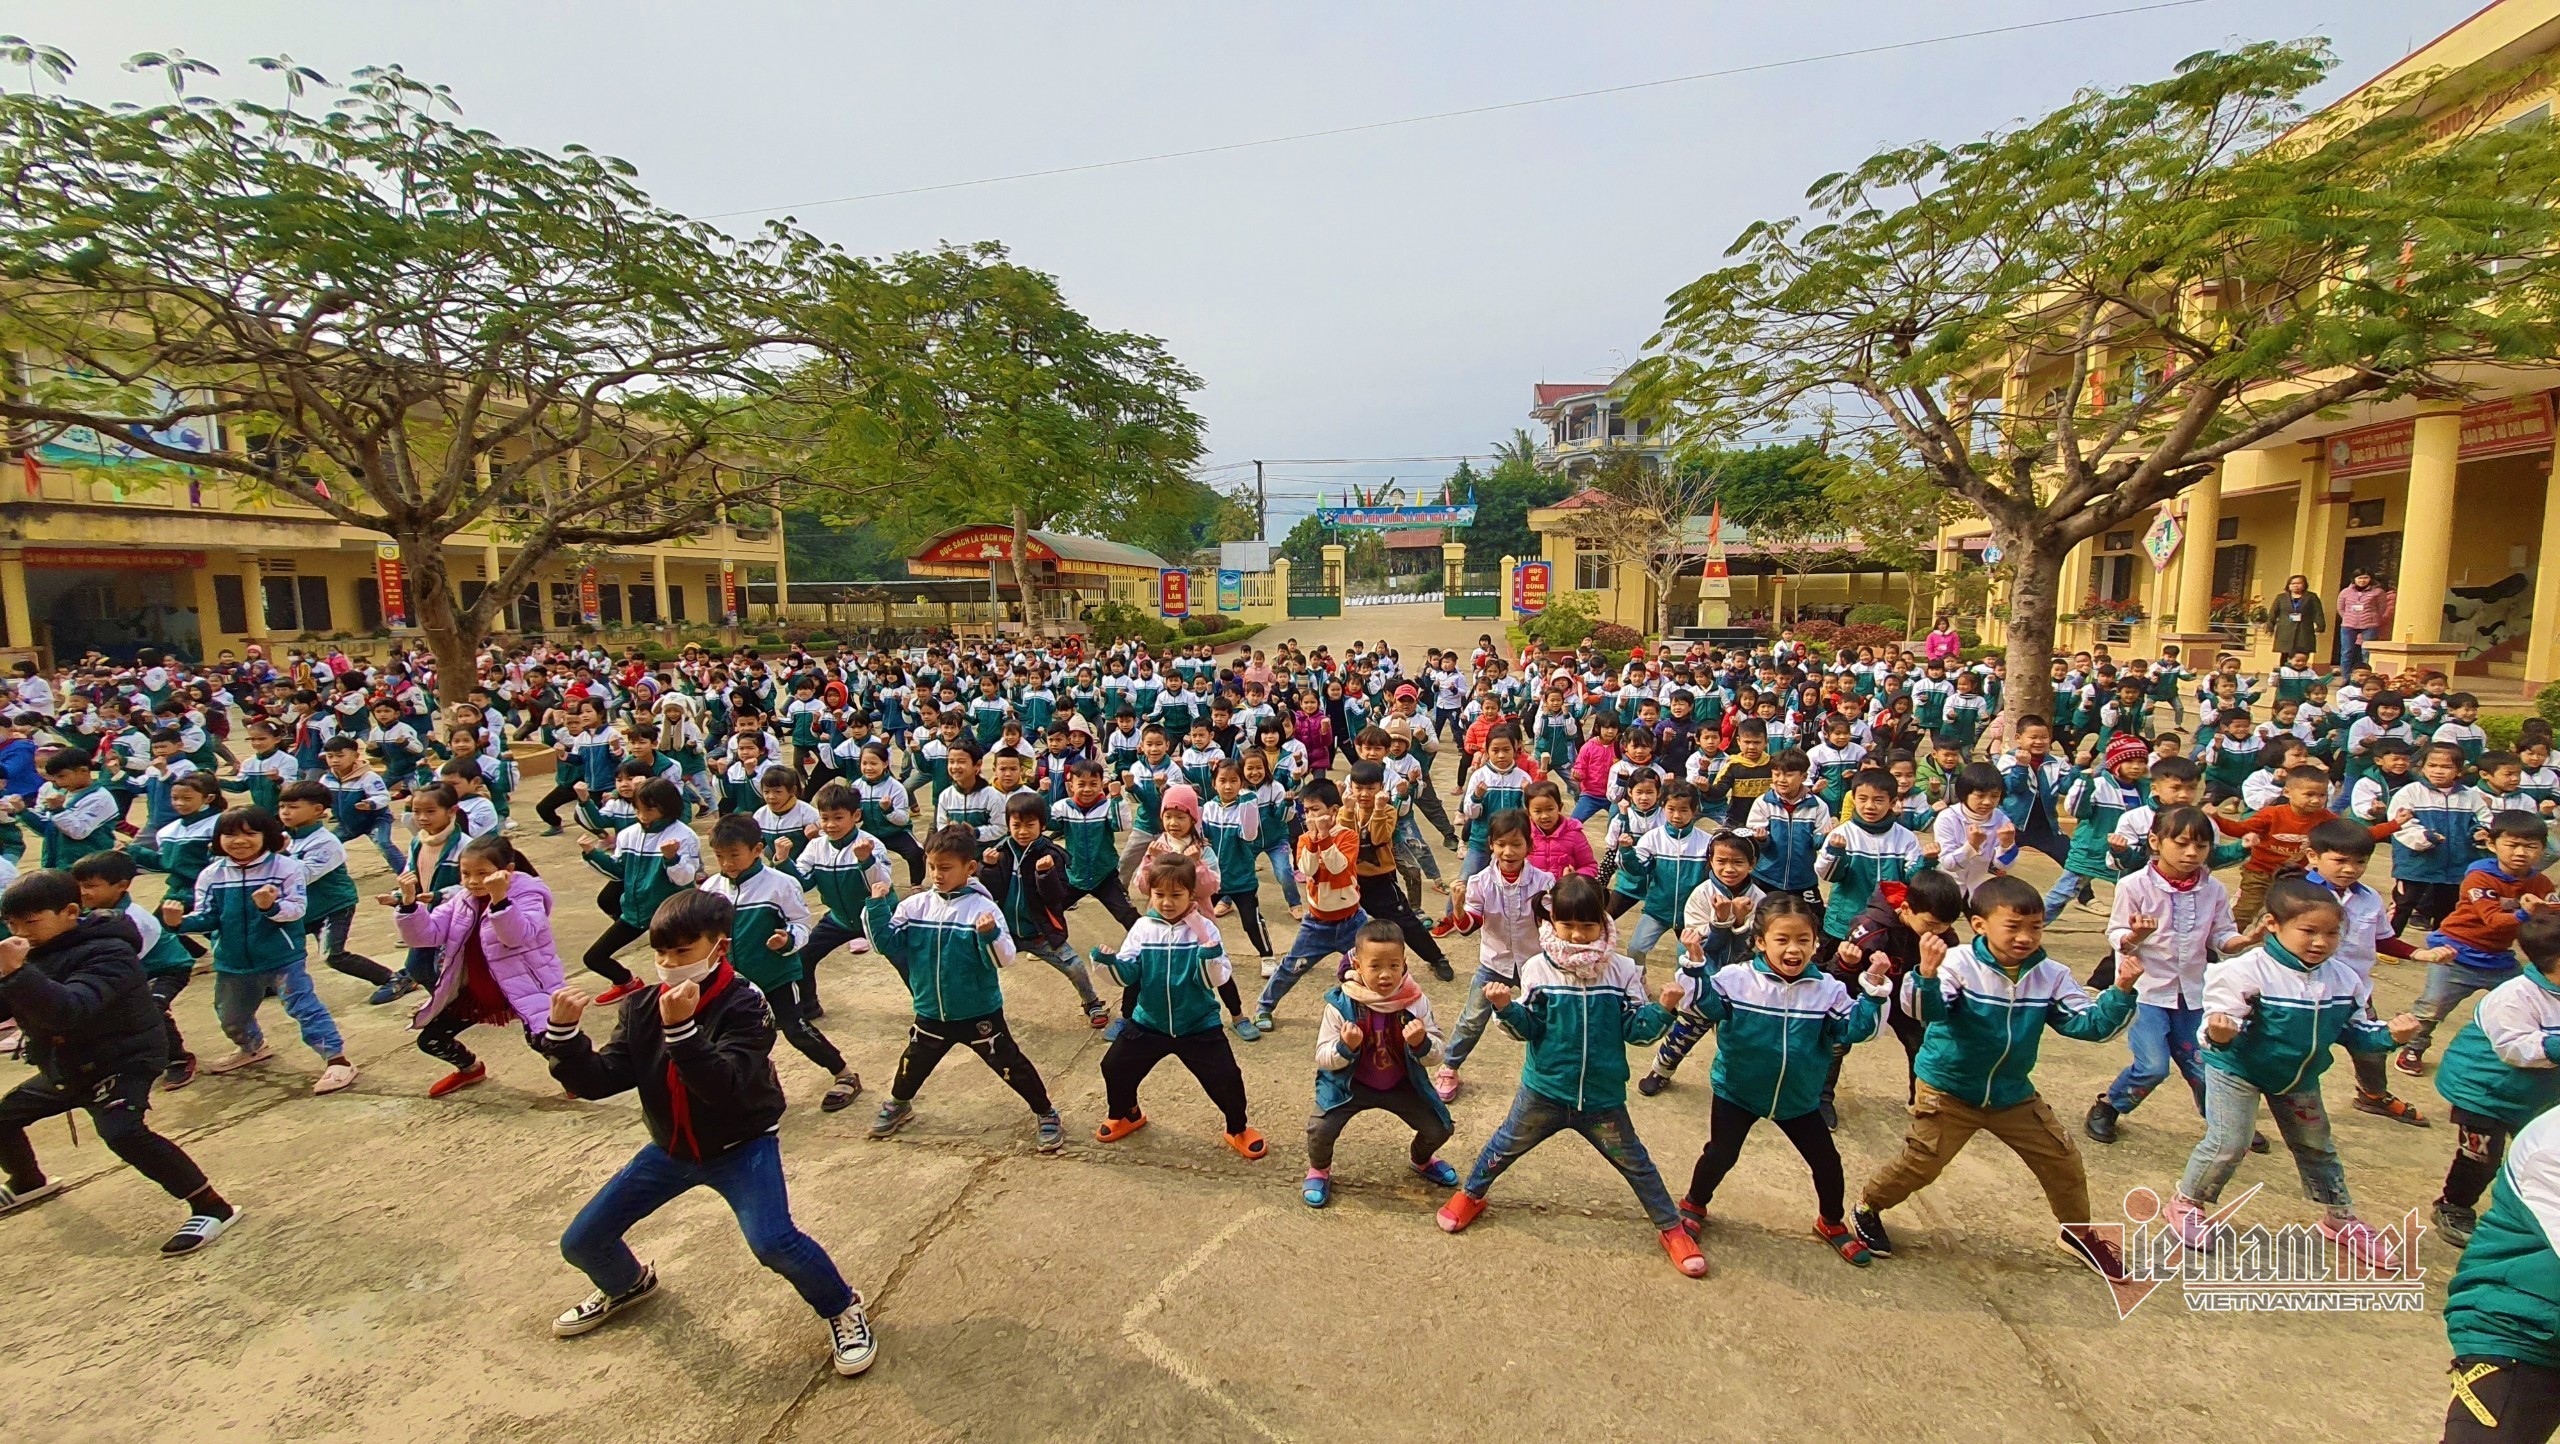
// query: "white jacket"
[[2193, 927]]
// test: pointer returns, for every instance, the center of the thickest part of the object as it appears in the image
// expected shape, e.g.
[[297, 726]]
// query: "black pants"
[[617, 935], [1729, 1123], [1382, 897], [825, 938], [2479, 1144], [2522, 1401], [1113, 894], [116, 1104], [2426, 903], [929, 1038], [548, 809], [1416, 1111], [904, 844], [166, 987], [1249, 914], [441, 1039], [1427, 802], [1138, 1049], [791, 1019], [1622, 903]]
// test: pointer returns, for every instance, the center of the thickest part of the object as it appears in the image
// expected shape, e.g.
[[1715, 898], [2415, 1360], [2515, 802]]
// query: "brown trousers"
[[1941, 1125], [2252, 898]]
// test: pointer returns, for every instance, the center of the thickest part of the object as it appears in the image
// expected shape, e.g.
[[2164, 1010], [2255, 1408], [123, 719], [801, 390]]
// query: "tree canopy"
[[2066, 322], [1505, 495]]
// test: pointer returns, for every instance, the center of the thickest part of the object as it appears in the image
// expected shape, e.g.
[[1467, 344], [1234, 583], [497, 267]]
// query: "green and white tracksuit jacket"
[[1985, 1022], [951, 967], [842, 876], [649, 877], [1088, 836], [1776, 1035], [2504, 1301], [1578, 1033], [248, 938], [1855, 859], [2289, 1012], [1176, 967], [1670, 862], [2505, 1063], [767, 901]]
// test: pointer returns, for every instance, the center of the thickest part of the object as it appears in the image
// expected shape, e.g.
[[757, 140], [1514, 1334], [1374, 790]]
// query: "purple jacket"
[[515, 941]]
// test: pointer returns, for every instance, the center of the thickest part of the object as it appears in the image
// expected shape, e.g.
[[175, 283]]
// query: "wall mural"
[[2481, 618]]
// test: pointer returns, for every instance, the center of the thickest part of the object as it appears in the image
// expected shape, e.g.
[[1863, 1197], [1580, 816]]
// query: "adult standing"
[[2364, 609], [1943, 642], [2296, 619]]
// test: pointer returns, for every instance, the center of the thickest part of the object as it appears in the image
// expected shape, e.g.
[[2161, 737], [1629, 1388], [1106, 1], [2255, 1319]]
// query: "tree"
[[2068, 322], [1640, 516], [394, 319], [1014, 405], [1505, 496]]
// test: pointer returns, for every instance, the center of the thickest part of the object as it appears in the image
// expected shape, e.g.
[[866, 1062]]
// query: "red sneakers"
[[457, 1080], [618, 992]]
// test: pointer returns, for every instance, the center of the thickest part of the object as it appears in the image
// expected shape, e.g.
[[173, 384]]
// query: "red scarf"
[[679, 1106]]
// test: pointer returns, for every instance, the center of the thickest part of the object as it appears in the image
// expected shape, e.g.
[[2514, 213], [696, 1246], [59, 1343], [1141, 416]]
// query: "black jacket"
[[1034, 902], [83, 1004], [706, 1085]]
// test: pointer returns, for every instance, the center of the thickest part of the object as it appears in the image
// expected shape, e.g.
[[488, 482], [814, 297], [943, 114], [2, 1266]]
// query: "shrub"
[[1118, 621], [1616, 637], [1869, 634], [1209, 626], [2546, 704], [1818, 633], [1880, 614], [2502, 728], [1566, 623]]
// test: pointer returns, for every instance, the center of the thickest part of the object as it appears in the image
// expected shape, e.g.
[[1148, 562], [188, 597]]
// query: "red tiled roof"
[[1588, 496], [1551, 392], [1412, 538]]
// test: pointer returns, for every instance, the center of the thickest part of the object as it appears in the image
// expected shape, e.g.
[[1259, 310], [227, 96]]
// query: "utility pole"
[[1261, 505]]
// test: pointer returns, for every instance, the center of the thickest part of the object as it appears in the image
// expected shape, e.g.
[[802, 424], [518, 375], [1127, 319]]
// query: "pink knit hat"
[[1180, 798]]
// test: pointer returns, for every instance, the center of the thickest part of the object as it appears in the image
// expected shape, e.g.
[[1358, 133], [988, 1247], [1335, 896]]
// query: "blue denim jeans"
[[1588, 806], [1473, 1018], [1534, 1118], [1409, 844], [2447, 985], [748, 1177], [378, 828], [1649, 930], [2162, 1038], [1316, 940], [2064, 892], [1284, 867], [236, 997], [2231, 1119]]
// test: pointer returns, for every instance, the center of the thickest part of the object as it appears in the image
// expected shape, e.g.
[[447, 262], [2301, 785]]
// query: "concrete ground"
[[397, 1270]]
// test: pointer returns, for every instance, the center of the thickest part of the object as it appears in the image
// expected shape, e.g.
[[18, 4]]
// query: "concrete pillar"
[[2542, 644], [2416, 643], [1334, 555], [658, 584], [1453, 566], [13, 600], [2191, 618], [490, 569], [253, 593]]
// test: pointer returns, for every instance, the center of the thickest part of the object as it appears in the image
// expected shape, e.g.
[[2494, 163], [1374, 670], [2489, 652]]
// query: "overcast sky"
[[1388, 293]]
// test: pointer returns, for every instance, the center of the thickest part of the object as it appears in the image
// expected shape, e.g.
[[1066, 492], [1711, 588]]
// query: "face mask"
[[689, 973]]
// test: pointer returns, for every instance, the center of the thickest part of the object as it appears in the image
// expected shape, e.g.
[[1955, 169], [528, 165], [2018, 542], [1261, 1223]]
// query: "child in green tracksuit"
[[2097, 801], [1984, 1008], [1780, 1021], [2501, 1072], [1870, 849], [1580, 1007], [1170, 968], [948, 942], [769, 925], [648, 861]]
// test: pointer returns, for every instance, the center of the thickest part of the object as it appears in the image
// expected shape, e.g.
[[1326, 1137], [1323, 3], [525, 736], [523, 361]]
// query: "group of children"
[[1810, 838]]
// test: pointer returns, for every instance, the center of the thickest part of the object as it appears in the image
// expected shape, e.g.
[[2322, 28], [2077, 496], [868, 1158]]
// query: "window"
[[564, 605], [2361, 514], [284, 608], [2226, 528], [609, 604], [315, 603], [2117, 541], [711, 595], [675, 603], [230, 604], [2235, 570], [1590, 567], [644, 605], [368, 605]]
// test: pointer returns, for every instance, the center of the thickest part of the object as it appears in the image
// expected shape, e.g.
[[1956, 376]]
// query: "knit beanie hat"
[[2125, 747]]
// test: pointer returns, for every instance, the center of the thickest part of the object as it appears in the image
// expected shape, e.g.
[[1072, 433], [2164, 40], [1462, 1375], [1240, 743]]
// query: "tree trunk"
[[1022, 571], [2035, 598], [453, 640]]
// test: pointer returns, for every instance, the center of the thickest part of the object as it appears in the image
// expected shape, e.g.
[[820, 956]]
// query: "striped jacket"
[[1775, 1035], [1985, 1022], [248, 938], [2289, 1012], [950, 967], [2505, 1063], [1175, 967], [638, 860], [767, 901], [1855, 859]]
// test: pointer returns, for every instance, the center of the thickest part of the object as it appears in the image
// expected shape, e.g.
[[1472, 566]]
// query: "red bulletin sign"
[[590, 601], [1529, 584], [392, 581], [2509, 426], [981, 544], [1176, 593], [729, 591], [119, 559]]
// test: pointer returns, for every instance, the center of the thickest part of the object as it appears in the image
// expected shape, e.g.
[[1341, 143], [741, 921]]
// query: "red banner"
[[1530, 582], [1175, 592], [120, 560], [590, 600], [729, 610], [2509, 426], [392, 581]]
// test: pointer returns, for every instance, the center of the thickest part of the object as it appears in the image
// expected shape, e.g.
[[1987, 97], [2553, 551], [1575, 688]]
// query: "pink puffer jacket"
[[515, 942], [1591, 767]]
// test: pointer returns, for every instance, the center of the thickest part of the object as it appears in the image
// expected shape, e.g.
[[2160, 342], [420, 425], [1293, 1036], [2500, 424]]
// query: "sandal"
[[1115, 1129], [1249, 1143]]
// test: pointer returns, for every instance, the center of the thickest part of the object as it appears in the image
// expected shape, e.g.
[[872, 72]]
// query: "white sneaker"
[[11, 1200], [335, 1078], [596, 1307], [234, 1062], [850, 1335], [1270, 968]]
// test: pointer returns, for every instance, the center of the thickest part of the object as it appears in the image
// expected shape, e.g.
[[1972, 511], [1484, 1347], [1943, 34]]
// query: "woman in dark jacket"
[[2296, 619]]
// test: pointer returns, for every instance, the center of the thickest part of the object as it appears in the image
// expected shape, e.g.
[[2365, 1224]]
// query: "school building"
[[101, 551]]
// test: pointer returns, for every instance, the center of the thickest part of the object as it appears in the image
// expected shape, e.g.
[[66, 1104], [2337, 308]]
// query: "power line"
[[1473, 110]]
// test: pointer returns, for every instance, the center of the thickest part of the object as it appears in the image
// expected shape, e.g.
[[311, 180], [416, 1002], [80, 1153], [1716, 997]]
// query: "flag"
[[35, 474]]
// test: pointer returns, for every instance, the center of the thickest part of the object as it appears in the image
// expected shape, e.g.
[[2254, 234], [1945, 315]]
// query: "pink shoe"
[[2357, 1237], [858, 945], [1445, 1083], [1463, 1208], [2188, 1222]]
